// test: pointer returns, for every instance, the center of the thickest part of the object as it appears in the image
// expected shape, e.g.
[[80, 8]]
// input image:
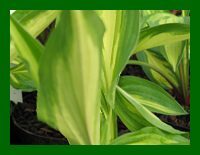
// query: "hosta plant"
[[77, 76], [166, 65]]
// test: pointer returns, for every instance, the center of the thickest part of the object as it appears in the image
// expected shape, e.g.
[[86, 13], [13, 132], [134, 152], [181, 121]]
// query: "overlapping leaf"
[[149, 12], [135, 116], [34, 21], [150, 136], [150, 95], [120, 38], [172, 52], [154, 17], [69, 93], [20, 78], [154, 58], [161, 35], [29, 48]]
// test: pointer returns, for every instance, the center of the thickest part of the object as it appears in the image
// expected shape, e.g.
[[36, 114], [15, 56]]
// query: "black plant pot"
[[21, 136]]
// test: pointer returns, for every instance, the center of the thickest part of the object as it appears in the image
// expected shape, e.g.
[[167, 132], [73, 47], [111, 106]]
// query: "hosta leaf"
[[128, 37], [149, 12], [172, 52], [150, 95], [154, 17], [135, 116], [19, 14], [34, 22], [122, 33], [153, 57], [122, 30], [172, 19], [120, 38], [150, 136], [28, 48], [69, 93], [20, 78], [161, 35]]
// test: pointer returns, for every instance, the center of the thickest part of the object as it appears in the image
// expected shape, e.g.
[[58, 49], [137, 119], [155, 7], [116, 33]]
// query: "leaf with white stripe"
[[150, 95], [161, 35], [172, 52], [136, 116]]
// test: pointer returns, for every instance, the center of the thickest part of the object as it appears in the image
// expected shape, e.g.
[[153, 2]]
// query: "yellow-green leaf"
[[69, 93], [154, 58], [136, 116], [150, 136], [161, 35], [29, 49], [150, 95], [34, 22]]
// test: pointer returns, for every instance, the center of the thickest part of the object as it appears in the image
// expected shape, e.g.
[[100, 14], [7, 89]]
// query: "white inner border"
[[11, 11]]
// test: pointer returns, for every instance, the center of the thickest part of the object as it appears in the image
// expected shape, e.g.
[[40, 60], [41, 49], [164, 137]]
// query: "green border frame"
[[5, 126]]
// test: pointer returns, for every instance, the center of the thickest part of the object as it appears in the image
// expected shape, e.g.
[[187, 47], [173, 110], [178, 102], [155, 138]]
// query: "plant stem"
[[184, 65], [184, 70], [182, 79]]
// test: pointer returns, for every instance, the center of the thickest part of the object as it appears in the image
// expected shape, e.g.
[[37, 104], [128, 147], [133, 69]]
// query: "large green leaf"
[[150, 95], [69, 93], [161, 35], [136, 116], [34, 22], [20, 78], [28, 48], [154, 58], [150, 136]]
